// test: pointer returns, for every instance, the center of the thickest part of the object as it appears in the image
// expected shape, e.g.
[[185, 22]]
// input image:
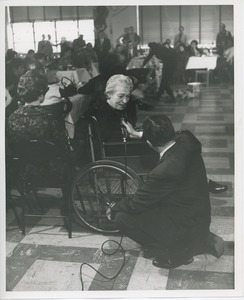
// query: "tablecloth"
[[203, 62]]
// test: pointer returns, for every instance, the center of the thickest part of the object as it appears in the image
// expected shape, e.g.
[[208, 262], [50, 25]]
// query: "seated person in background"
[[29, 59], [193, 50], [32, 121], [66, 60], [14, 69], [10, 54], [170, 213]]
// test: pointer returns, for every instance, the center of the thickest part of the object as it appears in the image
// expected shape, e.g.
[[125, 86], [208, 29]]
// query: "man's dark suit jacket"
[[174, 202], [102, 49]]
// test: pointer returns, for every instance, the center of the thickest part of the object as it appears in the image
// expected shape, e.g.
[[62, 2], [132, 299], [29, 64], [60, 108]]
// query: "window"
[[86, 27], [23, 37], [67, 29], [46, 28]]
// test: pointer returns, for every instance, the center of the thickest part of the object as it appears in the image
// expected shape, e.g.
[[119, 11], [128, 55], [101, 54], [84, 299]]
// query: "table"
[[135, 62], [202, 62], [77, 76]]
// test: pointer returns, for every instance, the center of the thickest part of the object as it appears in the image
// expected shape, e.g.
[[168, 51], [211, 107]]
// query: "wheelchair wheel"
[[95, 187]]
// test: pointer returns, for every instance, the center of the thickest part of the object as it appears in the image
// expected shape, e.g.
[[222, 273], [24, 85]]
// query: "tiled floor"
[[46, 260]]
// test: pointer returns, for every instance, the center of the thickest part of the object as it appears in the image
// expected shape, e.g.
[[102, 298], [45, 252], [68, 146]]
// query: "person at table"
[[180, 38], [170, 212], [224, 37], [65, 61], [193, 49], [168, 59], [102, 46]]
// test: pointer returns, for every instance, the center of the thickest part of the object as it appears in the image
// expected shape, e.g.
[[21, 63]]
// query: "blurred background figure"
[[193, 49], [121, 39], [45, 47], [181, 60], [29, 59], [102, 46], [180, 37], [132, 37], [223, 39], [10, 54]]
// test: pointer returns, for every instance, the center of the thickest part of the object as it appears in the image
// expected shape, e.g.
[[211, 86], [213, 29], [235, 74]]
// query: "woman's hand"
[[108, 213], [131, 131]]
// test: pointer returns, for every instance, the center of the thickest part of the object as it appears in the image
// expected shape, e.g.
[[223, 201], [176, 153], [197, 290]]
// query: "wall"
[[121, 17], [201, 22]]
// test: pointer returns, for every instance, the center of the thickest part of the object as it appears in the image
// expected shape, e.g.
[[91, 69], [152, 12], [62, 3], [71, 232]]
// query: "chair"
[[31, 160], [116, 171], [206, 73], [135, 153]]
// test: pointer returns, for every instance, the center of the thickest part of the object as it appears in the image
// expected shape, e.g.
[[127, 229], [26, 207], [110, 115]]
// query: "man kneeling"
[[170, 213]]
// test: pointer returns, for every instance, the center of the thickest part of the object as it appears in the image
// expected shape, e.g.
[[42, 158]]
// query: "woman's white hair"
[[118, 80]]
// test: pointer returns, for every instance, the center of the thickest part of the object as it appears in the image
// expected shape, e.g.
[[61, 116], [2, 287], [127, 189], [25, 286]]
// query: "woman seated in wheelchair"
[[34, 122], [114, 115]]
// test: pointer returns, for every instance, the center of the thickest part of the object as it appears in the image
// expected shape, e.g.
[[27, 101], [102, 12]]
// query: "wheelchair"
[[115, 172]]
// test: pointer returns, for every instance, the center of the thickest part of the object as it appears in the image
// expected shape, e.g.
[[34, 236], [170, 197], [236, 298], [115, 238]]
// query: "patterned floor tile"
[[55, 276], [198, 280]]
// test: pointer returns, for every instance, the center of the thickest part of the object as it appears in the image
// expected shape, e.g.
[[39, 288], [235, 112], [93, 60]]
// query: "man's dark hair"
[[158, 130], [31, 51]]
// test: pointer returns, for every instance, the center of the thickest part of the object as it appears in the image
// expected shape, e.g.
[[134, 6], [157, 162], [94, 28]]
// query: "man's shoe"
[[216, 188], [215, 245], [170, 263]]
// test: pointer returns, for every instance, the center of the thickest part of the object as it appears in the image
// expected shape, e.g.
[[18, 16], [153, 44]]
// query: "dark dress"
[[36, 123], [172, 209]]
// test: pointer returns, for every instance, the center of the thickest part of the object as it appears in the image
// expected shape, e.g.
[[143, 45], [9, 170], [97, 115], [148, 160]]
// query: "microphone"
[[123, 130]]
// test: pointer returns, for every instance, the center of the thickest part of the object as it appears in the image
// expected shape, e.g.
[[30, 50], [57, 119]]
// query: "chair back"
[[47, 164]]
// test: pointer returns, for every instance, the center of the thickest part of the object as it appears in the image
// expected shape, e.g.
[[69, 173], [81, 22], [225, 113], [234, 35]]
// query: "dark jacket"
[[175, 198], [102, 49]]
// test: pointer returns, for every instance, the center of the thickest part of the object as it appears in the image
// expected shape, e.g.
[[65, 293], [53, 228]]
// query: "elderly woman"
[[111, 113], [32, 121]]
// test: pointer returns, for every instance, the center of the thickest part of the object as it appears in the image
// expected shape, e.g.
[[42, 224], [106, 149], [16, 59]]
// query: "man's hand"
[[108, 213], [131, 131]]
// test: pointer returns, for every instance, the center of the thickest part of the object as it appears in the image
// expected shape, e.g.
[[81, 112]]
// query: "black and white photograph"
[[121, 149]]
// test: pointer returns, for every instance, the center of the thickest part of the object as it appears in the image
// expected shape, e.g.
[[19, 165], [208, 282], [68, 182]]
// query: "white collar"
[[167, 148]]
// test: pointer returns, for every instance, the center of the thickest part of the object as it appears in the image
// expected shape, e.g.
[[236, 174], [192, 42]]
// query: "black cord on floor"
[[108, 254]]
